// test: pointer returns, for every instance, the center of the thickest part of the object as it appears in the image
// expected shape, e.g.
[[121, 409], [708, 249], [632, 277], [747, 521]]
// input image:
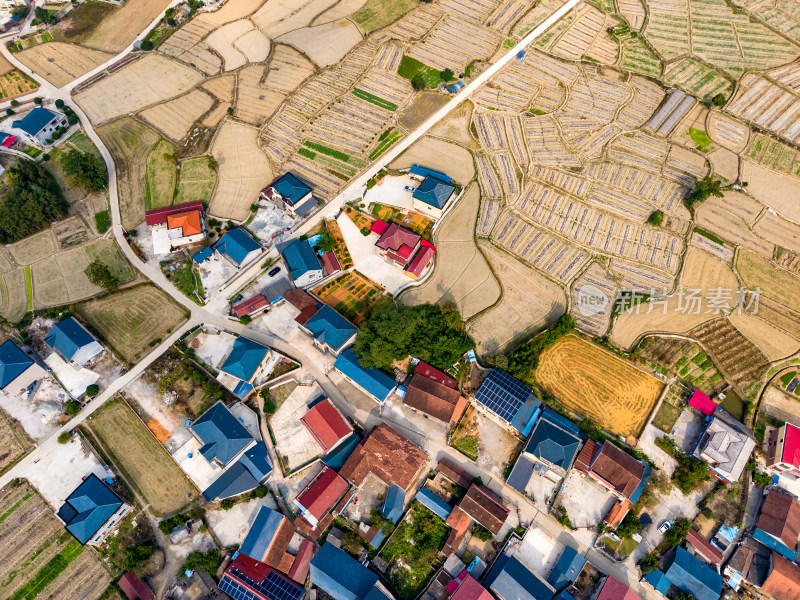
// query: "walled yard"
[[485, 442], [352, 294]]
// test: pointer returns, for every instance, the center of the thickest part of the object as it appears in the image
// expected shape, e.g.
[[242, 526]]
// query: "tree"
[[92, 390], [762, 479], [44, 16], [136, 555], [100, 275], [31, 202], [84, 169], [326, 243], [37, 100], [483, 534], [719, 100], [209, 562], [447, 75], [655, 218], [381, 521], [351, 542], [629, 527], [649, 563], [259, 492], [72, 408], [269, 404], [709, 186], [681, 595], [677, 533], [14, 103], [20, 11], [59, 103], [147, 45], [245, 320], [395, 331], [524, 360], [72, 118], [418, 83], [9, 111], [63, 437], [171, 22]]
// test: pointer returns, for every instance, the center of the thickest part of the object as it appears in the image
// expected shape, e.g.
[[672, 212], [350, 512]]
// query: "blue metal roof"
[[243, 389], [306, 207], [234, 480], [245, 358], [521, 473], [331, 328], [202, 255], [567, 568], [336, 458], [236, 245], [13, 363], [290, 188], [376, 382], [392, 507], [770, 542], [434, 191], [509, 579], [87, 509], [35, 121], [261, 533], [505, 396], [658, 580], [256, 460], [690, 575], [222, 434], [555, 439], [299, 257], [68, 336], [339, 575], [642, 484], [419, 171], [433, 503]]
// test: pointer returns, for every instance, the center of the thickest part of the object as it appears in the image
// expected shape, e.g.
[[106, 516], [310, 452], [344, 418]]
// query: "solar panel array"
[[274, 587], [503, 394]]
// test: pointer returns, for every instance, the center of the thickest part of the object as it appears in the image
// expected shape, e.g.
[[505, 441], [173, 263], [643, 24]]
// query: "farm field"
[[434, 153], [40, 559], [196, 181], [129, 320], [324, 44], [774, 342], [176, 117], [422, 107], [14, 443], [61, 63], [775, 283], [351, 294], [683, 359], [380, 13], [15, 295], [129, 142], [594, 383], [161, 175], [143, 461], [15, 83]]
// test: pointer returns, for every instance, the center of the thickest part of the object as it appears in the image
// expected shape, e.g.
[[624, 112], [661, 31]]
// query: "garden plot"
[[697, 79], [649, 188], [490, 210], [15, 295], [438, 154], [454, 43], [595, 383], [387, 90], [546, 252], [39, 557], [633, 11], [487, 176], [147, 81], [242, 170], [510, 176], [545, 144], [774, 154], [238, 43], [389, 57], [294, 444], [727, 132], [583, 25], [61, 63], [593, 316], [15, 442], [491, 132], [473, 10], [324, 44], [507, 14], [185, 45], [197, 179], [352, 294], [462, 274], [530, 301], [176, 117], [413, 26]]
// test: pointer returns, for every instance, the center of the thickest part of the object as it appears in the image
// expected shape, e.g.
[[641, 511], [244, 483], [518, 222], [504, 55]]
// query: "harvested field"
[[147, 81], [33, 249], [773, 189], [129, 320], [461, 273], [278, 17], [773, 342], [185, 45], [243, 170], [161, 175], [702, 270], [61, 63], [779, 231], [239, 43], [324, 44], [176, 117], [143, 461], [196, 182], [14, 443], [380, 13], [340, 10], [434, 153], [777, 284], [15, 295], [594, 383], [231, 11], [725, 163], [129, 143], [40, 559], [424, 105], [594, 282], [633, 11], [455, 126], [222, 87], [529, 302], [5, 66], [730, 226]]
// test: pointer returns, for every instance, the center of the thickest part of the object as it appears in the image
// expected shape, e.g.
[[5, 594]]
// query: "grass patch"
[[186, 280], [380, 13], [411, 67], [627, 546], [468, 445], [49, 572], [389, 141], [700, 137], [32, 152], [107, 252], [161, 175], [709, 235], [102, 221], [82, 21], [372, 98], [29, 287], [196, 180], [666, 416], [82, 142], [787, 379], [338, 155]]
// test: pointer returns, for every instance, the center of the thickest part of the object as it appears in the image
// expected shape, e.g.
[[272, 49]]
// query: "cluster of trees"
[[677, 533], [630, 526], [100, 275], [709, 186], [208, 561], [395, 331], [134, 556], [20, 11], [690, 471], [381, 521], [44, 16], [167, 525], [524, 360], [84, 169], [656, 218], [32, 200]]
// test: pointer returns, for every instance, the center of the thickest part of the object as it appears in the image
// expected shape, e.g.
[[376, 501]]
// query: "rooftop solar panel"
[[503, 394], [274, 587]]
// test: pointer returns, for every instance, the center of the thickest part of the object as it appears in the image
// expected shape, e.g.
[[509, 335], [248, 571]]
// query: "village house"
[[778, 526], [326, 424], [38, 125], [176, 227], [290, 194], [72, 342], [620, 473], [243, 366], [432, 196], [319, 496], [301, 262], [401, 246], [784, 456], [726, 446], [342, 577], [92, 511], [19, 373], [478, 505], [329, 330], [246, 578], [373, 382], [434, 399], [237, 247], [783, 580], [509, 400]]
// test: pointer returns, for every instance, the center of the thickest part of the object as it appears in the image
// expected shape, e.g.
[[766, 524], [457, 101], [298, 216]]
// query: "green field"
[[698, 79], [380, 13], [161, 175], [410, 67], [700, 138], [637, 57], [82, 142], [372, 98], [196, 180], [110, 255], [384, 144], [29, 287]]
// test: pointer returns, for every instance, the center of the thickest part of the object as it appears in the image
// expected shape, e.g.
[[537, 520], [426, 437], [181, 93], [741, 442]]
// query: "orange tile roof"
[[189, 221], [783, 582]]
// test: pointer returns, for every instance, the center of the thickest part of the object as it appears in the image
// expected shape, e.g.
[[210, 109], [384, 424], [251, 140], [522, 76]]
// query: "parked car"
[[408, 188], [665, 526], [274, 271]]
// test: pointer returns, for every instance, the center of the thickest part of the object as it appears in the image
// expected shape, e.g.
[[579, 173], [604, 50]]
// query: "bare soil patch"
[[455, 126], [776, 190], [324, 44], [60, 63], [437, 154], [775, 283], [773, 342], [423, 106], [175, 117]]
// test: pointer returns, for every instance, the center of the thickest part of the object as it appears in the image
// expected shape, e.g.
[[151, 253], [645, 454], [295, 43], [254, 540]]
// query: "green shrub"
[[72, 408], [64, 436]]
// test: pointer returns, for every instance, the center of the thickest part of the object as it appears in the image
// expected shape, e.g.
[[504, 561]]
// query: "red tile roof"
[[783, 582], [277, 548], [389, 455], [396, 236], [325, 424], [459, 522], [379, 227], [780, 517], [434, 399], [159, 215], [791, 445], [613, 589], [251, 305], [330, 263], [134, 588], [453, 472], [471, 590], [617, 513], [396, 258], [618, 469], [430, 372], [189, 221], [704, 547], [309, 531], [300, 299], [484, 507], [420, 261], [586, 456], [405, 251], [322, 492], [301, 562]]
